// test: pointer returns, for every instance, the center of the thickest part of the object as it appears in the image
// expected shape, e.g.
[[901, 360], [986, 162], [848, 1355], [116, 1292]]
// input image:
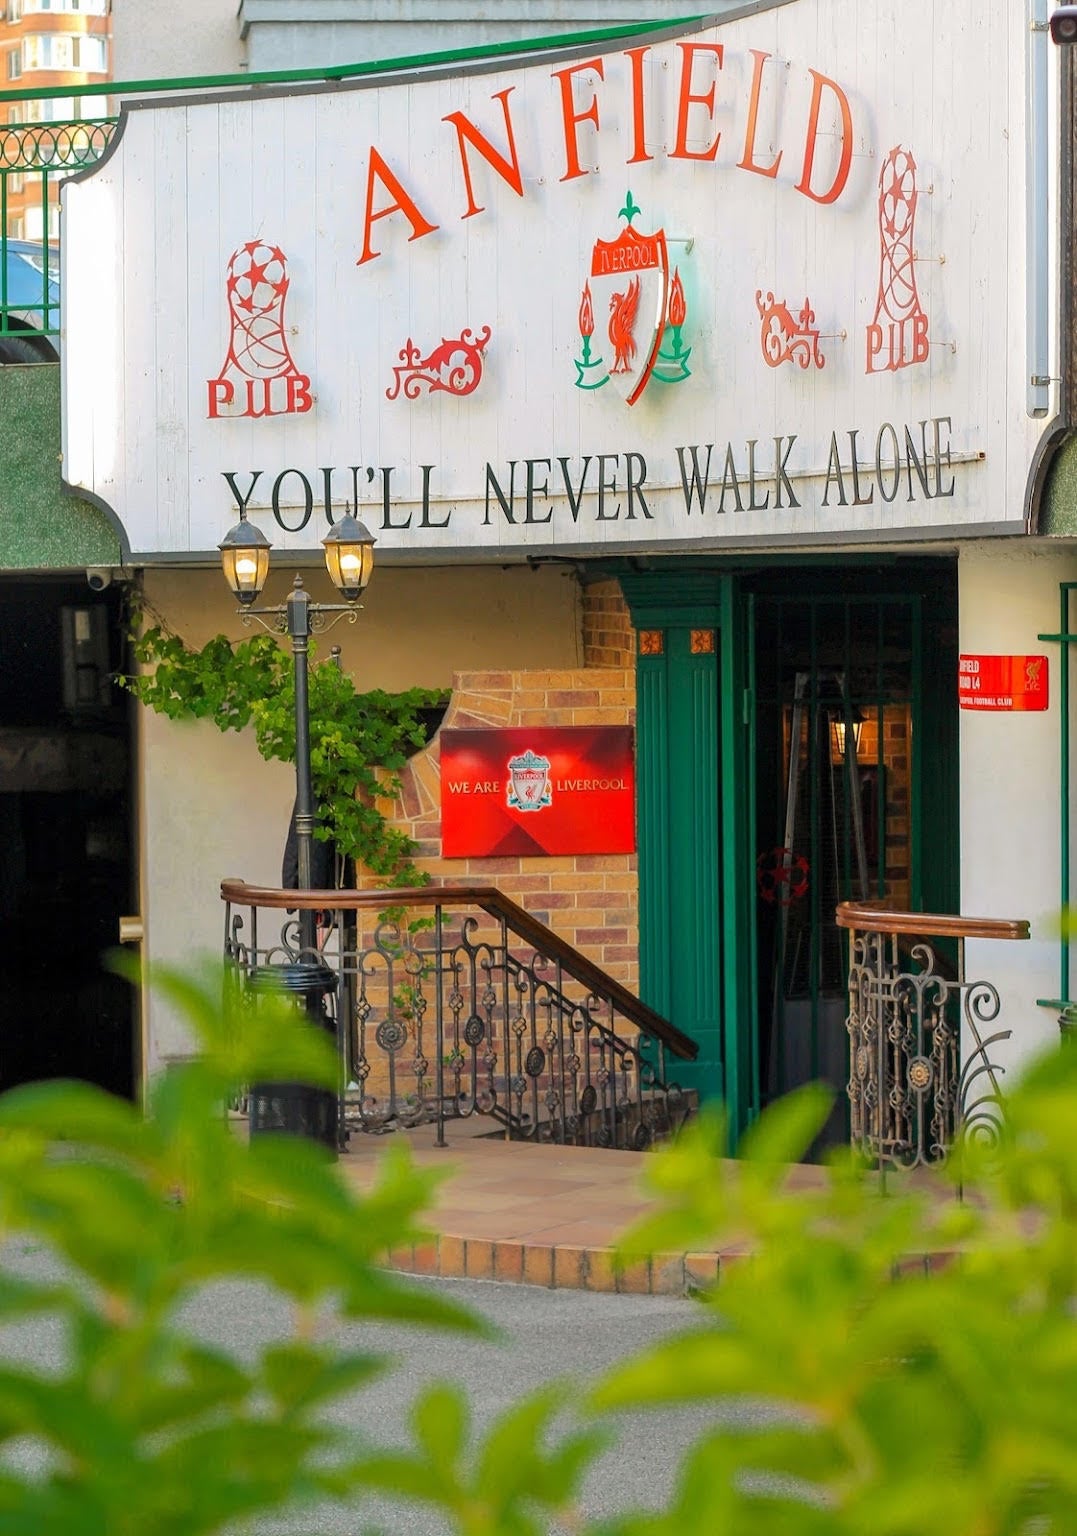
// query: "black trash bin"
[[297, 1109]]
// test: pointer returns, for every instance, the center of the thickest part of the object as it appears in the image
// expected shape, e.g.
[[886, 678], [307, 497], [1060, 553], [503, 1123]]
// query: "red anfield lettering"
[[378, 170], [571, 117], [688, 98], [508, 169], [639, 136], [841, 175], [748, 161]]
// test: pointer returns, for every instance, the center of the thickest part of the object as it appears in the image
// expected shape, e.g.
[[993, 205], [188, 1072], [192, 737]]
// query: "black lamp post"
[[349, 557]]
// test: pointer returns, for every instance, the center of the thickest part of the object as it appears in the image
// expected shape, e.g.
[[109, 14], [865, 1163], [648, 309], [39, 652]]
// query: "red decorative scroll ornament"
[[453, 368], [259, 377], [785, 340], [897, 337]]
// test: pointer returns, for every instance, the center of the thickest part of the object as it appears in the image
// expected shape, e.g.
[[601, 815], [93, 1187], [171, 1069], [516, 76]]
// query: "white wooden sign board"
[[760, 281]]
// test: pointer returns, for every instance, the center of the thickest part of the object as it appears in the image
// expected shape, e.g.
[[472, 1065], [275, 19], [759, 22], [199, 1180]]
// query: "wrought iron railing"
[[33, 158], [913, 1089], [453, 1002]]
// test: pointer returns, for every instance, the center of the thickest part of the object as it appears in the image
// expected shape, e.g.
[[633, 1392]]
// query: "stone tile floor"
[[537, 1214]]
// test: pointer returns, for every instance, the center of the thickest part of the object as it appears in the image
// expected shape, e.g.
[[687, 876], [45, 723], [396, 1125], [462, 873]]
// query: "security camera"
[[1064, 25], [98, 577]]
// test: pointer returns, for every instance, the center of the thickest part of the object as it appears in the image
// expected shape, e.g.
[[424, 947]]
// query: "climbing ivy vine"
[[358, 741]]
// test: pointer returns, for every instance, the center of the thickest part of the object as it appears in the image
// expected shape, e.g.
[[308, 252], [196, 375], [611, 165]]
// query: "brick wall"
[[590, 899], [608, 637]]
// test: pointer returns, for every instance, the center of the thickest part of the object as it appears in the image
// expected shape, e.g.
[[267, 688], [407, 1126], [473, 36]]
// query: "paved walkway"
[[540, 1215]]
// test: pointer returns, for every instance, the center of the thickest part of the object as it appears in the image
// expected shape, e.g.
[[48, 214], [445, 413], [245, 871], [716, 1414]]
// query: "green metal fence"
[[34, 157]]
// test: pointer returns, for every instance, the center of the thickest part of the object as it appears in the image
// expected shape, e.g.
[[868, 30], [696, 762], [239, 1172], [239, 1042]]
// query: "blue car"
[[29, 302]]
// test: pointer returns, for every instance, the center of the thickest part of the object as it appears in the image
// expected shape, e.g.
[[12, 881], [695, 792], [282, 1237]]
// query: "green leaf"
[[786, 1129], [441, 1420], [300, 1376]]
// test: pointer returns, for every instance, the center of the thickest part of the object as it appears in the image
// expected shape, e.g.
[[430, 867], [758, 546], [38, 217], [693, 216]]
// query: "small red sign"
[[531, 791], [1002, 682]]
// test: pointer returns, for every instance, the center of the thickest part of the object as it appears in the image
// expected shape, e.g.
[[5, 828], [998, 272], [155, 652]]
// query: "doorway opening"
[[845, 724], [68, 871]]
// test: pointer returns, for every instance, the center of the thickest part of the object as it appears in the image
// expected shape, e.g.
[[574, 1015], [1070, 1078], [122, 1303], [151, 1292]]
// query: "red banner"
[[1002, 682], [539, 790]]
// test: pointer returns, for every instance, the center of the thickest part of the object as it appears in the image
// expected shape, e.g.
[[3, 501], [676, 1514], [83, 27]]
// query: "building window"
[[64, 51], [35, 227], [88, 53], [14, 64], [78, 7]]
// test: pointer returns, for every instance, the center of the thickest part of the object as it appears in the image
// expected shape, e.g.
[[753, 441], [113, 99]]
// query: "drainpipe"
[[1037, 194]]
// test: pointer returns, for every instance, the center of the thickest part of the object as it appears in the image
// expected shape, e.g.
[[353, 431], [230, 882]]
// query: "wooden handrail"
[[496, 904], [869, 917]]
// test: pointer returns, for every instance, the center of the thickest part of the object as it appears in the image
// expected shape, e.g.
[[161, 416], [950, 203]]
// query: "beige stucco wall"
[[211, 807], [160, 40], [1010, 789]]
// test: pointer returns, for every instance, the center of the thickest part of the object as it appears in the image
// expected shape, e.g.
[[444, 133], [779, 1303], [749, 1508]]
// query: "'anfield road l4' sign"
[[751, 282]]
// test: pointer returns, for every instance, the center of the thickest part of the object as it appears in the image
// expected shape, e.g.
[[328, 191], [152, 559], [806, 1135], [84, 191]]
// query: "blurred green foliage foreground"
[[904, 1396]]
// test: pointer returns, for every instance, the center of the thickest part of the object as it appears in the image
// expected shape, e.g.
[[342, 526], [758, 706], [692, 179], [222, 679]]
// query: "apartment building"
[[45, 45]]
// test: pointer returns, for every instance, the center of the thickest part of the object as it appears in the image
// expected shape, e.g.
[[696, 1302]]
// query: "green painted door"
[[694, 775]]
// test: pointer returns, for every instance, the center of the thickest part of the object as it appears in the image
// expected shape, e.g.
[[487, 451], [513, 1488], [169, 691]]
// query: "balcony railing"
[[452, 1002], [913, 1089]]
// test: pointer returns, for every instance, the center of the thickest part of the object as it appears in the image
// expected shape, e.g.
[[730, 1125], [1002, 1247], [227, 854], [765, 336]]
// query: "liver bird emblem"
[[630, 278], [623, 307]]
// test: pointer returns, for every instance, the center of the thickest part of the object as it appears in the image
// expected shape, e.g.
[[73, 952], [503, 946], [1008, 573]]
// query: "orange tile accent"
[[635, 1279], [478, 1259], [451, 1253], [600, 1271], [425, 1259], [509, 1261], [701, 642], [538, 1265], [569, 1268], [700, 1270], [652, 642], [667, 1274]]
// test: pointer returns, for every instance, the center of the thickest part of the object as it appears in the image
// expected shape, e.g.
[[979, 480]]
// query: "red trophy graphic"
[[259, 376], [897, 336]]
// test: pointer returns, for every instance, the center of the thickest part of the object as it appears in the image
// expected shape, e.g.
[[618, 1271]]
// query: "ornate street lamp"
[[245, 558], [349, 558]]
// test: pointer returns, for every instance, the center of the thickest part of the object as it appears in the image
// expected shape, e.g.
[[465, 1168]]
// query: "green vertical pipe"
[[737, 810], [815, 935], [749, 1004], [3, 250], [916, 806], [1064, 797]]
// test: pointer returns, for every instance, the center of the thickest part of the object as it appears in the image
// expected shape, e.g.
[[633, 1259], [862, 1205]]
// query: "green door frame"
[[695, 730]]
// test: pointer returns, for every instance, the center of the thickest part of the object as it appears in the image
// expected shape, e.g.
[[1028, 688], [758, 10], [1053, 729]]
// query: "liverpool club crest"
[[641, 311], [529, 782]]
